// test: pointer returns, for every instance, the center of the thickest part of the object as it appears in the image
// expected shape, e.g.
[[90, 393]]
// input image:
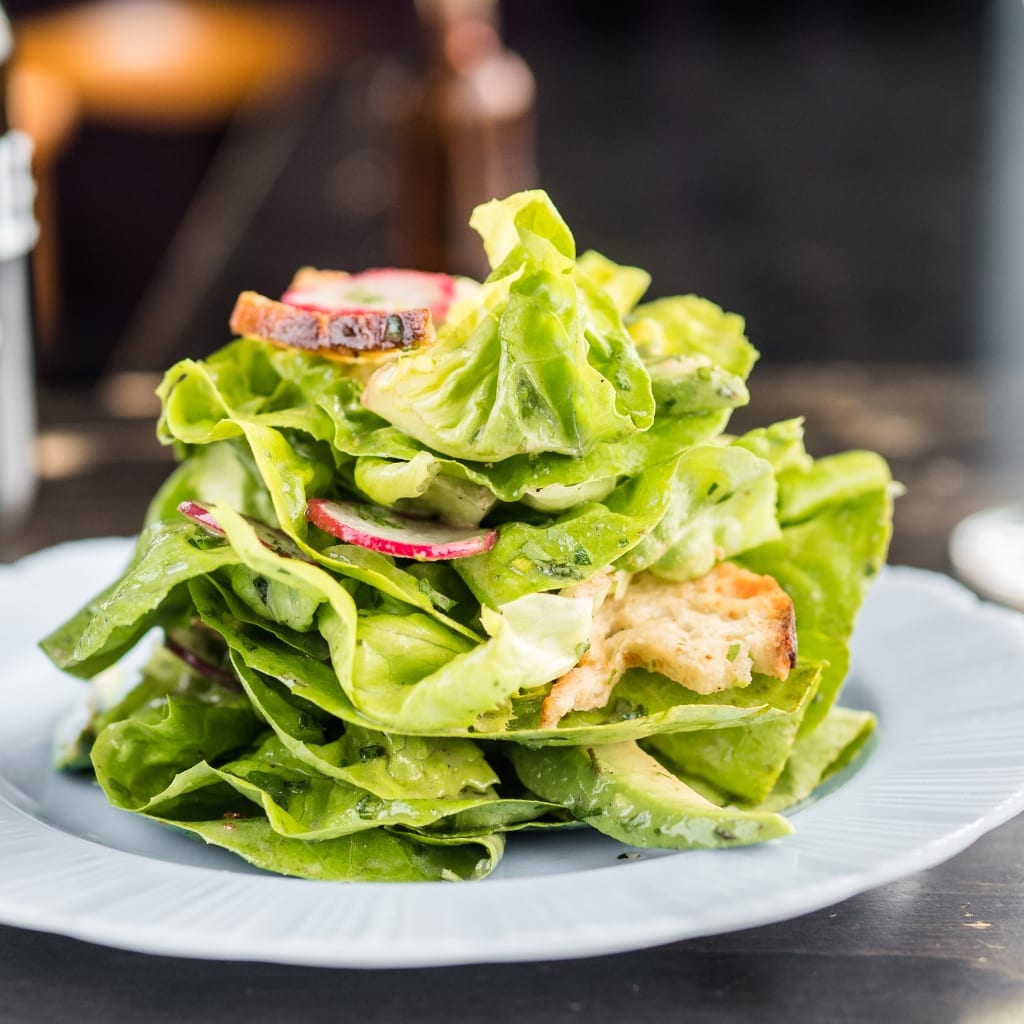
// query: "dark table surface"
[[946, 944]]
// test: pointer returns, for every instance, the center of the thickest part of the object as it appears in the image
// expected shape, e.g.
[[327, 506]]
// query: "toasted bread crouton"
[[344, 334], [707, 634]]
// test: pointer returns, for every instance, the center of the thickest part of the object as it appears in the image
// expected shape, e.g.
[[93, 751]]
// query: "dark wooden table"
[[945, 944]]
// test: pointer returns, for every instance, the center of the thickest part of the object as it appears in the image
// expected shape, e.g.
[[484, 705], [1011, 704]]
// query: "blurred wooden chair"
[[154, 64]]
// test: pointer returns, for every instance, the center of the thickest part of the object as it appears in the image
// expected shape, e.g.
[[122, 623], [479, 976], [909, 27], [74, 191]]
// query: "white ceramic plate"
[[940, 669]]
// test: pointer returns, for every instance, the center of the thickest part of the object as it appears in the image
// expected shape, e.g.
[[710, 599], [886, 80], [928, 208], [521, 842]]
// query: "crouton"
[[707, 634], [344, 334]]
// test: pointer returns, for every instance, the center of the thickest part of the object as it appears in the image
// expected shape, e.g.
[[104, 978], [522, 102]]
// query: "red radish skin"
[[201, 515], [381, 290], [201, 665], [381, 530]]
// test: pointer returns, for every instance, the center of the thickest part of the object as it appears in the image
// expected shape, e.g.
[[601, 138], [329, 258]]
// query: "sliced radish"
[[378, 529], [201, 515], [270, 537], [372, 291], [200, 665]]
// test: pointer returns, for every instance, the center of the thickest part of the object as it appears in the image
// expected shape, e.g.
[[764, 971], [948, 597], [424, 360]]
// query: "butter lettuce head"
[[543, 364]]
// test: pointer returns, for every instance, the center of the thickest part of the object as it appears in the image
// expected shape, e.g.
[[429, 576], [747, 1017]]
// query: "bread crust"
[[345, 334]]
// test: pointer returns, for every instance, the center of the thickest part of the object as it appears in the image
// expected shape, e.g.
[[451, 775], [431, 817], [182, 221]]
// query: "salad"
[[443, 560]]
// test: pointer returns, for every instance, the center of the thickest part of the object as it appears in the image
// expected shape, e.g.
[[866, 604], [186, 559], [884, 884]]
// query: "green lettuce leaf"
[[683, 385], [625, 286], [781, 444], [543, 365], [388, 765], [150, 593], [376, 855], [569, 548], [745, 761], [393, 468], [721, 501], [138, 757], [827, 561], [820, 754], [531, 641], [249, 381], [624, 792], [297, 801], [690, 326], [222, 471]]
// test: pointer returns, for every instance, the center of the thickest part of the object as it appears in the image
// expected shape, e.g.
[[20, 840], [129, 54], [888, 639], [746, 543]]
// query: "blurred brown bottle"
[[467, 136]]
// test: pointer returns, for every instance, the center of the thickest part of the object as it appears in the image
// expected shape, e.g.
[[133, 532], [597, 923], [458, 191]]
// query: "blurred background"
[[844, 174], [815, 166]]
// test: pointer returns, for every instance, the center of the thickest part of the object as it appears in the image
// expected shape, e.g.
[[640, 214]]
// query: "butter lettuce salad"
[[442, 560]]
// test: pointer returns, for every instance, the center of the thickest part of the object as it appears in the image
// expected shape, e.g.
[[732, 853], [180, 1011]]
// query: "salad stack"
[[444, 560]]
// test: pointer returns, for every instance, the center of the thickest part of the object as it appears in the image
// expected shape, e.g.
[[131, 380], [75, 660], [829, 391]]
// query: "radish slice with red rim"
[[202, 516], [379, 529], [383, 290]]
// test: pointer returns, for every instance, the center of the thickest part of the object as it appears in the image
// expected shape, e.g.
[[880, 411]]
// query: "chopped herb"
[[394, 329]]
